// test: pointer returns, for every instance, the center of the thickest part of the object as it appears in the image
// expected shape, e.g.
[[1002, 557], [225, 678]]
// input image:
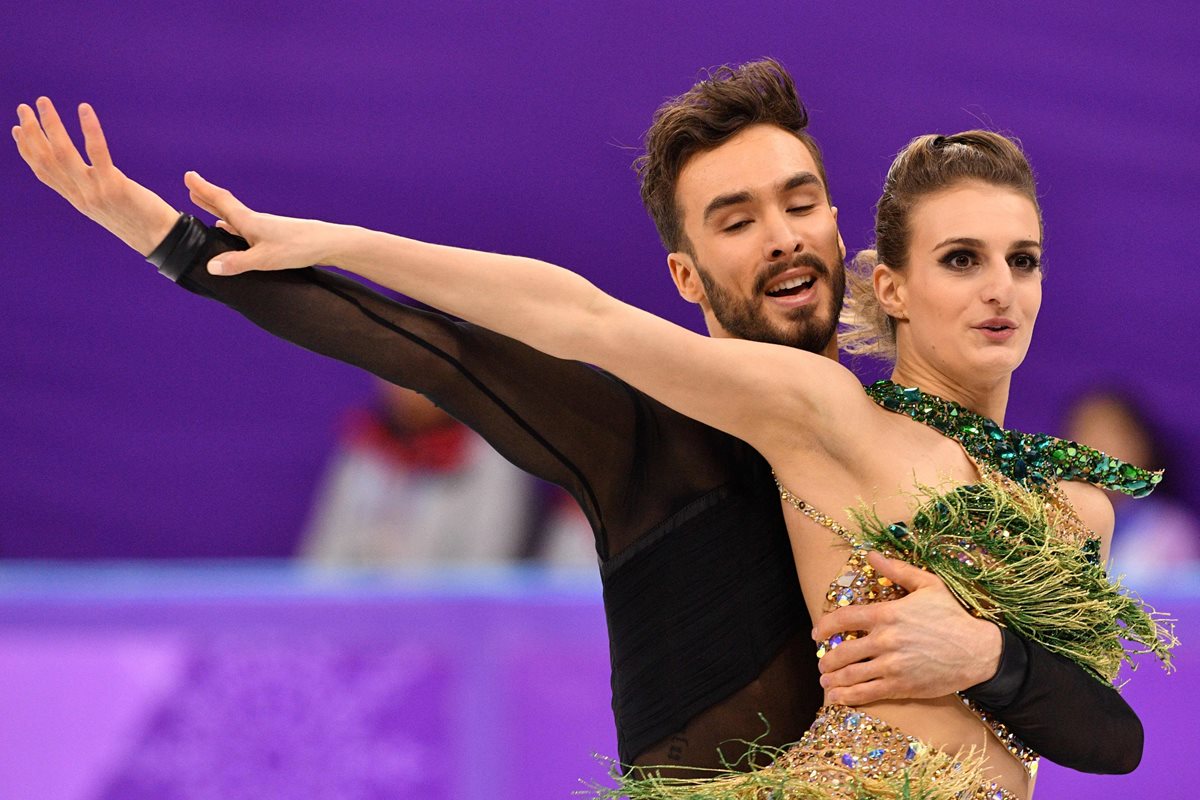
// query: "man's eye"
[[801, 209], [737, 226]]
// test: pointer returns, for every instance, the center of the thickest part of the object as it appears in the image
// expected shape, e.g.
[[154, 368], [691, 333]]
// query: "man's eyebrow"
[[725, 201], [968, 242], [744, 196], [801, 179]]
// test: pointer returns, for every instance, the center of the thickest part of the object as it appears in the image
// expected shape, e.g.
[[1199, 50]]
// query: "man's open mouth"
[[792, 286]]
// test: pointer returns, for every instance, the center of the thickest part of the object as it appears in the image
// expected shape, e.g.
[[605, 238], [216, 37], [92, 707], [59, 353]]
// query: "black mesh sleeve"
[[1060, 711], [562, 421]]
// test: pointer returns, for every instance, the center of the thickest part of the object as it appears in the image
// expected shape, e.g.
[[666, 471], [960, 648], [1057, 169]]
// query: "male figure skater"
[[709, 634]]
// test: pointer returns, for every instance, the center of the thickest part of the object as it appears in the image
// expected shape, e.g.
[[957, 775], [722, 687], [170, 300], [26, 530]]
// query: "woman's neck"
[[989, 399]]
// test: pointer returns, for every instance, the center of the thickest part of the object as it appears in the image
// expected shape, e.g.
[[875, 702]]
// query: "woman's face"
[[971, 291]]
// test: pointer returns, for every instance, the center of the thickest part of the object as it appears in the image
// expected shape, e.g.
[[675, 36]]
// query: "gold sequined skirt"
[[844, 755], [847, 750]]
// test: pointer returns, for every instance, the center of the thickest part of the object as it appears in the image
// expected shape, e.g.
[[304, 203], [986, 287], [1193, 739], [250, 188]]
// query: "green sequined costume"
[[1012, 550]]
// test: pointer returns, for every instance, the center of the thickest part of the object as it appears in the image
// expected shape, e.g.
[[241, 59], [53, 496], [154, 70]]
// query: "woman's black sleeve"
[[1060, 711], [562, 421]]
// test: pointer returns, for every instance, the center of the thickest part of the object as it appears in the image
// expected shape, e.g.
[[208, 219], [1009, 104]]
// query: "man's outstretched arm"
[[560, 420]]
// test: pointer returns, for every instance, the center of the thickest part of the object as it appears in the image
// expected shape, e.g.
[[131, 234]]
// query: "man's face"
[[765, 261]]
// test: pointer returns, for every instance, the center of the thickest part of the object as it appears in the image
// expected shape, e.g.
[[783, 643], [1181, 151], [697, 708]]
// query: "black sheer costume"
[[707, 625]]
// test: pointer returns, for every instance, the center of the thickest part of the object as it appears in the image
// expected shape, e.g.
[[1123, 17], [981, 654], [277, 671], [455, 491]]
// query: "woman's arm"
[[763, 394]]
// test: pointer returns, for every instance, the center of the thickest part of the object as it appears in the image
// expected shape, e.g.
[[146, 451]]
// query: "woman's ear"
[[891, 291]]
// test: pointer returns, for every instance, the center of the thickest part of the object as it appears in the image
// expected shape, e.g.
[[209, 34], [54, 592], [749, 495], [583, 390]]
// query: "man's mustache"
[[773, 271]]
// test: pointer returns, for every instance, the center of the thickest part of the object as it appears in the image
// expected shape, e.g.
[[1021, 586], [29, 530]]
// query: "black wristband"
[[999, 691], [175, 253]]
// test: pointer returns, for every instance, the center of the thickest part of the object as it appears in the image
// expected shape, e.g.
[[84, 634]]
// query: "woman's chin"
[[995, 365]]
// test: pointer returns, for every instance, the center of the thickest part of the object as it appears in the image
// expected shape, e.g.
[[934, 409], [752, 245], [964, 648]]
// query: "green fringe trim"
[[993, 545], [932, 775]]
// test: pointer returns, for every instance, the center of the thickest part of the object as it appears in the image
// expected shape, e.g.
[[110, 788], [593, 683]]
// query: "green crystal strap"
[[1031, 459]]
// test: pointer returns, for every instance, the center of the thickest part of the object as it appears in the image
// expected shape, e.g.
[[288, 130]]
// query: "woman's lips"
[[998, 329]]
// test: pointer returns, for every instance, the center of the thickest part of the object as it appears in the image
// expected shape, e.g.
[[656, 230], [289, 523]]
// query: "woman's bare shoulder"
[[1092, 505]]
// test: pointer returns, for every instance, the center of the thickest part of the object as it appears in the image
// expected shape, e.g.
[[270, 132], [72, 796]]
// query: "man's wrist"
[[991, 652], [174, 254], [146, 240], [1002, 688]]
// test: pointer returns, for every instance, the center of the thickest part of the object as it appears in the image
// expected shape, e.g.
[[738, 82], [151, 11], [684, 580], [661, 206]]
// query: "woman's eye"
[[959, 260], [1025, 261]]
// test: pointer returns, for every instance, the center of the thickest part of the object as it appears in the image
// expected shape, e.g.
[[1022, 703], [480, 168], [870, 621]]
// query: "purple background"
[[141, 421]]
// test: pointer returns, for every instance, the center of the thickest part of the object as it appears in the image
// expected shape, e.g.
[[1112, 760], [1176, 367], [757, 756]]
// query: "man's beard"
[[743, 317]]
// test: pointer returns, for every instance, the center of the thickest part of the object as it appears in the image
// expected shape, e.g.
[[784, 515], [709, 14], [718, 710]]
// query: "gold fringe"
[[996, 547], [931, 775]]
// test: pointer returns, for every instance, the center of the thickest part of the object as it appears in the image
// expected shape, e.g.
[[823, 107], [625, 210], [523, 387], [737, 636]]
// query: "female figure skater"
[[1012, 522], [1015, 523]]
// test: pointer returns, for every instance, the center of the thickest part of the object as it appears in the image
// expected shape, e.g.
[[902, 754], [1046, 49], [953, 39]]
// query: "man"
[[709, 634]]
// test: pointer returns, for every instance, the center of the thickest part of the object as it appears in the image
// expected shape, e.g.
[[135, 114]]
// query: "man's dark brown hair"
[[704, 117]]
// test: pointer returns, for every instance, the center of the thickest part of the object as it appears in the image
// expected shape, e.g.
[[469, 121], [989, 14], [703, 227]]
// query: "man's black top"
[[707, 626]]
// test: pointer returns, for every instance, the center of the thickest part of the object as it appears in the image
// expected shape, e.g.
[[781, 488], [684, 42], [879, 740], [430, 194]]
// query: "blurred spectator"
[[411, 486], [1153, 535]]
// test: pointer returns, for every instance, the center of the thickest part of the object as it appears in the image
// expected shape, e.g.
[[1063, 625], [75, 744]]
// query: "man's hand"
[[920, 646], [130, 211]]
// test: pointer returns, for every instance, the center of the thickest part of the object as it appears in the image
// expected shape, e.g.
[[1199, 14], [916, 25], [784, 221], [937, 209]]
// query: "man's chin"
[[809, 333]]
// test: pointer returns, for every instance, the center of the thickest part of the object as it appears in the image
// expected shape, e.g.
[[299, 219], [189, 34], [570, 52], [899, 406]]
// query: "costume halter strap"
[[1031, 459], [822, 519]]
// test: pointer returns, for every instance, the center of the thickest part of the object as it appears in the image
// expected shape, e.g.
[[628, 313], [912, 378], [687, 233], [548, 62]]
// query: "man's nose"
[[782, 241]]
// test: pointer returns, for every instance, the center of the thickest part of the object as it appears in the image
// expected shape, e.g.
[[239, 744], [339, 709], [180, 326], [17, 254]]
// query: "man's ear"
[[891, 290], [687, 279], [841, 244]]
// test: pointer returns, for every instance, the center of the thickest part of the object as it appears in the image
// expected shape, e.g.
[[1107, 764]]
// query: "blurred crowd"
[[1154, 537], [411, 486]]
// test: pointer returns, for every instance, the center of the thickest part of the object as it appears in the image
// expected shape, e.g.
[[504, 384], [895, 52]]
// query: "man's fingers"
[[32, 145], [93, 137], [848, 652], [33, 138], [851, 674], [901, 572], [56, 133], [861, 694], [849, 618]]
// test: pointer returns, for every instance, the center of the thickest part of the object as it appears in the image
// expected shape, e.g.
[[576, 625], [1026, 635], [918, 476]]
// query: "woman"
[[957, 289], [959, 279]]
